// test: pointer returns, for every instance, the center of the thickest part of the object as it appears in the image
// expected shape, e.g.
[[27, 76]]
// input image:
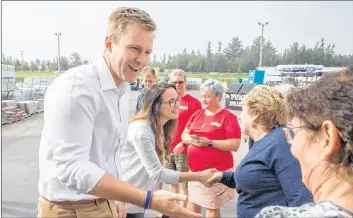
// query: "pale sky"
[[31, 26]]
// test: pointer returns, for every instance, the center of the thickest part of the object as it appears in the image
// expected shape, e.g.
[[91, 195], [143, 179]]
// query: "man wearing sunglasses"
[[188, 105]]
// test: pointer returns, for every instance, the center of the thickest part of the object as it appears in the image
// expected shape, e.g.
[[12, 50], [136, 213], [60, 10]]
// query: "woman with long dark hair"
[[149, 134]]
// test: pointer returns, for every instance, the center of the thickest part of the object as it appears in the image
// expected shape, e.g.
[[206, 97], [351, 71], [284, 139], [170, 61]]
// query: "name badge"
[[183, 107], [216, 124]]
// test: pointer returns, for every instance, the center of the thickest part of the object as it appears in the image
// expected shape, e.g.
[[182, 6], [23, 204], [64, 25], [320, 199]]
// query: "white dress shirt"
[[85, 123], [141, 166]]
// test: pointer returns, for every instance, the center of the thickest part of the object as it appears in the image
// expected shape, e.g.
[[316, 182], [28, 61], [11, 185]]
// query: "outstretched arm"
[[228, 179]]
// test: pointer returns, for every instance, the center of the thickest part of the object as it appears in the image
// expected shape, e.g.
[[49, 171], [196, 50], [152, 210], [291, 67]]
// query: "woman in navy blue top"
[[269, 174]]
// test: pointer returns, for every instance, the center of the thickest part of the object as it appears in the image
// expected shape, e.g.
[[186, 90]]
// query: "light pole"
[[58, 35], [262, 40], [22, 61]]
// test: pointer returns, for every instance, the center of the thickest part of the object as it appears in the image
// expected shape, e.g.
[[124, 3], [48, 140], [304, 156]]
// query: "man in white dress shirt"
[[85, 124]]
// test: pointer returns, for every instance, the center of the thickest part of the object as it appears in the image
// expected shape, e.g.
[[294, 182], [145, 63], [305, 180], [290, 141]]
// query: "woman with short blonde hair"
[[268, 174], [270, 106]]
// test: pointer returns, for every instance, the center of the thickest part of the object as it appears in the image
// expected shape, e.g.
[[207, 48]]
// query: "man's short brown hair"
[[125, 15]]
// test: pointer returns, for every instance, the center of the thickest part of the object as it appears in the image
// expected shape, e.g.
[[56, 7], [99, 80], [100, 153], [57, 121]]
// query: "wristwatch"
[[210, 144]]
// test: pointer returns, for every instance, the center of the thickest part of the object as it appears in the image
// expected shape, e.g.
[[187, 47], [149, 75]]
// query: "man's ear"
[[108, 43]]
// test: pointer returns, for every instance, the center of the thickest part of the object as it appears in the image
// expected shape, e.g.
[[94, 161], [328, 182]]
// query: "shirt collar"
[[106, 79]]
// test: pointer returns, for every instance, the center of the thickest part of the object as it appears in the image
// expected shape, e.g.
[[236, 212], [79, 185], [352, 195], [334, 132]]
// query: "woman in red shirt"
[[211, 135]]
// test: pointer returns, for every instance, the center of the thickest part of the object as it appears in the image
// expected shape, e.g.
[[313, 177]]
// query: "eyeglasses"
[[172, 102], [290, 134], [178, 82]]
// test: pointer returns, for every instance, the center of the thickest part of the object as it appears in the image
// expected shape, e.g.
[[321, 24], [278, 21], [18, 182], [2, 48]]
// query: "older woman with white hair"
[[210, 136]]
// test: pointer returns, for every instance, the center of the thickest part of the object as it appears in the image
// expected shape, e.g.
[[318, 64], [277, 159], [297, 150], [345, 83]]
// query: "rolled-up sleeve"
[[72, 109], [146, 150], [228, 179]]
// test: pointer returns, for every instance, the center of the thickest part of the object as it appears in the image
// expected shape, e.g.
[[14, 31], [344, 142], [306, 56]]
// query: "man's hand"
[[120, 207], [216, 177], [164, 202]]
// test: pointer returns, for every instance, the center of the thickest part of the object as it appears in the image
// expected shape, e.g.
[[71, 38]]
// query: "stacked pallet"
[[3, 117], [40, 104], [10, 112], [30, 107], [8, 103]]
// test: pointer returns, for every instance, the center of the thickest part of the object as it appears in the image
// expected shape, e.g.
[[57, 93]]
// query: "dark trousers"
[[135, 215]]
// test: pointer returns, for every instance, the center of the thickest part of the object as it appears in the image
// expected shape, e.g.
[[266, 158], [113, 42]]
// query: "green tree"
[[25, 66], [219, 49], [9, 61], [164, 59], [17, 65], [238, 65], [33, 66], [75, 60], [53, 65], [234, 49], [38, 62], [64, 64], [43, 66], [208, 62]]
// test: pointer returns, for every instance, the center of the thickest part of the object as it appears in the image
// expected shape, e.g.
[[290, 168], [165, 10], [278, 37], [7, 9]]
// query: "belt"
[[98, 200]]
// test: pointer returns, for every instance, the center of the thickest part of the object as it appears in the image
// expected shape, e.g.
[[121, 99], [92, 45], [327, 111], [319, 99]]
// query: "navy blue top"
[[268, 175]]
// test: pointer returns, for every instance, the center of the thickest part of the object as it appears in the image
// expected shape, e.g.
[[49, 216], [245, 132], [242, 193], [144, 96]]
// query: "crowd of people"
[[96, 161]]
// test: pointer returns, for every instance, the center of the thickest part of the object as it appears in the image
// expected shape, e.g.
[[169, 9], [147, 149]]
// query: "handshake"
[[209, 177]]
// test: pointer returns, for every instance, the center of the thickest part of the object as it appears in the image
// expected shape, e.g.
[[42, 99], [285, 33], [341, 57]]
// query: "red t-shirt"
[[221, 126], [188, 105]]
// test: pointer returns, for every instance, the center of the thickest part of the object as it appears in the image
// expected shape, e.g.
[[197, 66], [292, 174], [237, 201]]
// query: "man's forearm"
[[111, 188]]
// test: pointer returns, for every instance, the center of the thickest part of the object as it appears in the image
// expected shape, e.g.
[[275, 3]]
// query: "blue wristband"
[[147, 201]]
